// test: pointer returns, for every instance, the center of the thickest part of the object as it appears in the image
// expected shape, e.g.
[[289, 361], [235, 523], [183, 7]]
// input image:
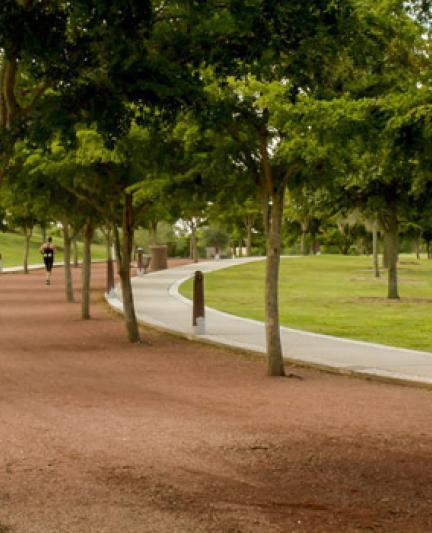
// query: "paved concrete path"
[[159, 304]]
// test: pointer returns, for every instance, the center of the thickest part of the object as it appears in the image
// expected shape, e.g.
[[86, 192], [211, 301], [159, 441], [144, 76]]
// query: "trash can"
[[158, 257]]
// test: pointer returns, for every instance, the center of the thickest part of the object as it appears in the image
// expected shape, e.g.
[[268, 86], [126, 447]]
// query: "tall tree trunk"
[[43, 232], [272, 216], [28, 232], [418, 241], [428, 249], [75, 252], [313, 243], [123, 252], [153, 232], [391, 245], [240, 248], [375, 253], [110, 266], [275, 366], [86, 270], [304, 228], [385, 260], [248, 225], [194, 243], [9, 109], [67, 240]]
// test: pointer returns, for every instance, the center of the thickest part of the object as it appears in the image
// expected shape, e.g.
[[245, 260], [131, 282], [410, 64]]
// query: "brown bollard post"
[[198, 314]]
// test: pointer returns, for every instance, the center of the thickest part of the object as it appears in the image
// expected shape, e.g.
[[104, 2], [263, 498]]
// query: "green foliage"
[[215, 237]]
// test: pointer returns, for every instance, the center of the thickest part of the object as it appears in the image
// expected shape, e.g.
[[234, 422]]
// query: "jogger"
[[47, 250]]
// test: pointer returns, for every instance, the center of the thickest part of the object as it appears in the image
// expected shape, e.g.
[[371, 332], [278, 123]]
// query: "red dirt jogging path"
[[169, 436]]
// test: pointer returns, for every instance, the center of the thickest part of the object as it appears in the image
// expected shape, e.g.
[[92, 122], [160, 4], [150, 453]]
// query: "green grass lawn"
[[12, 249], [335, 295]]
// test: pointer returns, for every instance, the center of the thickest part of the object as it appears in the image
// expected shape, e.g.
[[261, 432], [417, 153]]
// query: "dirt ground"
[[100, 436]]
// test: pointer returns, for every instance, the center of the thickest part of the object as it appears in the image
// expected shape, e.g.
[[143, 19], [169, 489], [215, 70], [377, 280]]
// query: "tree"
[[353, 128], [24, 205], [108, 181]]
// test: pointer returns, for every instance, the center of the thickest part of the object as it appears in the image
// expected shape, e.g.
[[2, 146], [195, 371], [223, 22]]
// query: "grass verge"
[[12, 249], [334, 295]]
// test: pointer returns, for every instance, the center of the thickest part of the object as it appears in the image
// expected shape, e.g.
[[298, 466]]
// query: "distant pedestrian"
[[48, 250]]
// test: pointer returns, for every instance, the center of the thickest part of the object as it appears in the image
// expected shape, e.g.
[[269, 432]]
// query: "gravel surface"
[[97, 435]]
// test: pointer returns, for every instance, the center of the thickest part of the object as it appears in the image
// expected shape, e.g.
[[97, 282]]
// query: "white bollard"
[[111, 294], [200, 328]]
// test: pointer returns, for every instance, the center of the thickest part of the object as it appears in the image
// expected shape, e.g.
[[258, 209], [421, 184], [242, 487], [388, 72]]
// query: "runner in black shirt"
[[47, 250]]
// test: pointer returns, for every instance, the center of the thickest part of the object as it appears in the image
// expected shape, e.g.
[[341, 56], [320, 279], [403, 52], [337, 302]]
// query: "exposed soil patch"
[[100, 436]]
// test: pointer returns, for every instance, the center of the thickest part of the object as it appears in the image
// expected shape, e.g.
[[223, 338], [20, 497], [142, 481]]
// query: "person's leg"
[[48, 268]]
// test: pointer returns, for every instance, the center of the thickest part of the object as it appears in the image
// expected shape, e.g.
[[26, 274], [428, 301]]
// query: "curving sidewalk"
[[159, 304]]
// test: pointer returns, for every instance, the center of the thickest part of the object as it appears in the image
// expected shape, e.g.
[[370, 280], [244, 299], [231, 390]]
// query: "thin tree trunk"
[[123, 252], [249, 223], [194, 244], [28, 232], [9, 109], [75, 252], [391, 245], [375, 253], [240, 248], [275, 366], [86, 270], [153, 231], [313, 243], [428, 249], [385, 261], [418, 239], [272, 216], [110, 266], [43, 233], [304, 229], [67, 261]]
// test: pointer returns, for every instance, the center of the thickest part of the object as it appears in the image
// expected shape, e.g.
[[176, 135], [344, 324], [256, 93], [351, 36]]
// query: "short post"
[[140, 261], [198, 314], [1, 263]]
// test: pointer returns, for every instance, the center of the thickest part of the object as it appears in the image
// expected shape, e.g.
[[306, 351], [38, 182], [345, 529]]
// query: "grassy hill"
[[12, 249]]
